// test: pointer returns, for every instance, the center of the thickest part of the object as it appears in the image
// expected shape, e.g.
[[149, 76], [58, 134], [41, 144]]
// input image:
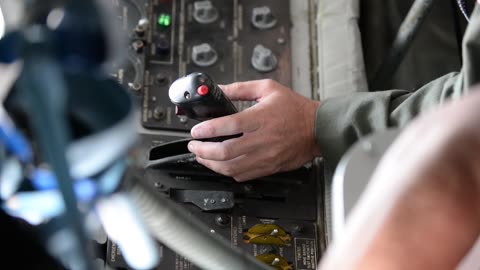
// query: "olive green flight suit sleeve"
[[341, 121]]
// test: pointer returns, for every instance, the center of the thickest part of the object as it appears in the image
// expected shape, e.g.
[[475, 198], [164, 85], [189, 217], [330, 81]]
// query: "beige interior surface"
[[340, 59]]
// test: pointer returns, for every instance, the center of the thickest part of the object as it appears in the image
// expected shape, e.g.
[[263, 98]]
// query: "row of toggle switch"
[[205, 12], [262, 60]]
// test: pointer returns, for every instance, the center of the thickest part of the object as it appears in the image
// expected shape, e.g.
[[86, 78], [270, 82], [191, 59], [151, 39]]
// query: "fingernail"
[[191, 146], [197, 131]]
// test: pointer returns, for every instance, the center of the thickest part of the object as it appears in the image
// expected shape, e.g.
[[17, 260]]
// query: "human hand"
[[278, 132]]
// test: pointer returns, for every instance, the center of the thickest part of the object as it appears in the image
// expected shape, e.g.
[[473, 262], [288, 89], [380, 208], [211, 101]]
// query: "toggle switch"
[[138, 45], [263, 59], [163, 46], [204, 12], [141, 27], [275, 261], [204, 55], [263, 18], [267, 234], [159, 113]]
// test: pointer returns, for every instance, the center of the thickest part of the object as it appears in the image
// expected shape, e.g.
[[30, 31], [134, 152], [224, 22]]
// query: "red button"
[[202, 90]]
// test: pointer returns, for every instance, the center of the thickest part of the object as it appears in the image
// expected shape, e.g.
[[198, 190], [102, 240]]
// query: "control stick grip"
[[198, 97]]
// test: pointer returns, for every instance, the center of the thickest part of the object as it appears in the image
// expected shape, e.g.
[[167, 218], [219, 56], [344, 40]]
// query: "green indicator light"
[[164, 20]]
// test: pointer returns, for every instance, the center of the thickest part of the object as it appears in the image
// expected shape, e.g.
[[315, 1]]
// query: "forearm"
[[341, 121]]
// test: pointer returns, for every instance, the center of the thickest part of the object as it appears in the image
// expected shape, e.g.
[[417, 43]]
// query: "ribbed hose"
[[42, 86], [186, 236], [407, 32]]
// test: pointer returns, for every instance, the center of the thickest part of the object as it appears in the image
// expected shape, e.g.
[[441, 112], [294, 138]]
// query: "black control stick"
[[199, 98]]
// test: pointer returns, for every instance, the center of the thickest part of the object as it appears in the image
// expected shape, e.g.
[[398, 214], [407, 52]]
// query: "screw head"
[[222, 220]]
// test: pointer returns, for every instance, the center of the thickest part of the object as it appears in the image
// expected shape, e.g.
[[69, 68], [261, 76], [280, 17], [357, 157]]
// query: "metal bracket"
[[205, 200]]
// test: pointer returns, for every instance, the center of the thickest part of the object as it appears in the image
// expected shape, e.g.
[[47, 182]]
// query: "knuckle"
[[271, 155], [239, 121], [236, 122], [225, 153], [269, 83], [199, 152], [234, 86], [228, 170], [202, 161]]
